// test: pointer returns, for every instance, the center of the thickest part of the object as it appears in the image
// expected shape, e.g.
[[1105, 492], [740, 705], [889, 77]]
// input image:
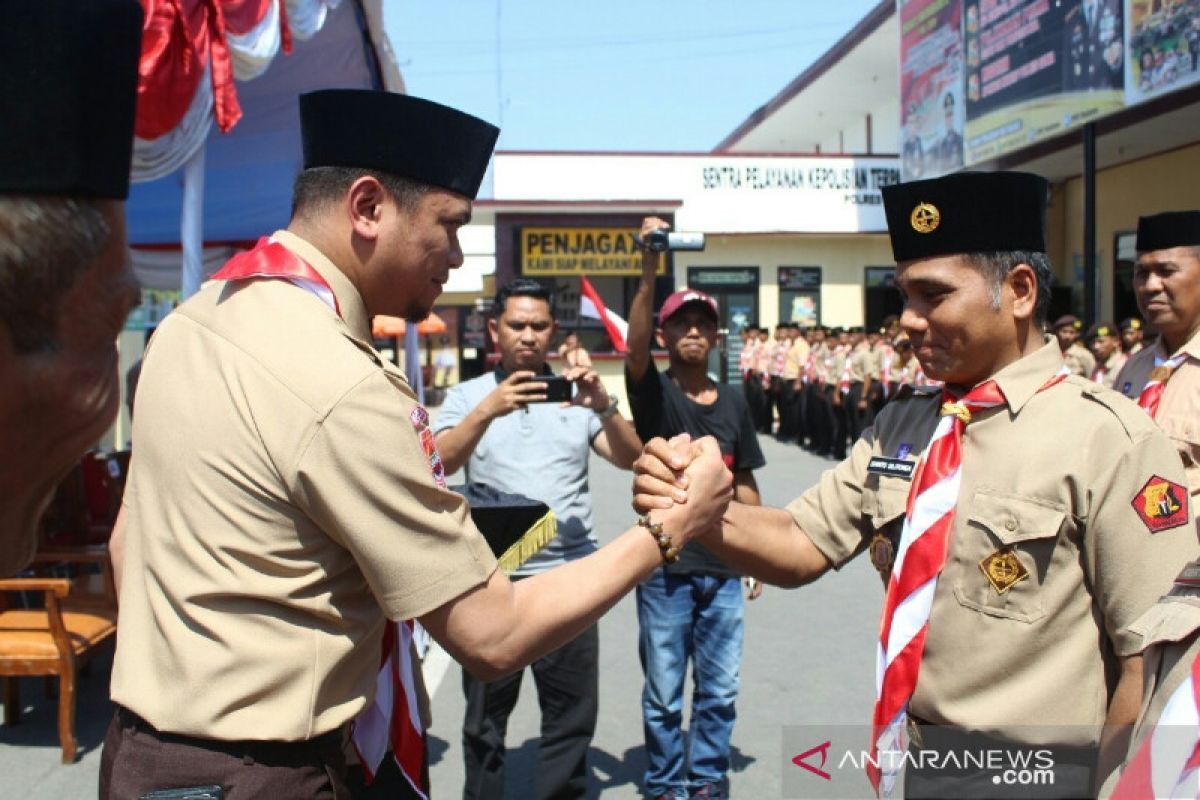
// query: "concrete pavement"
[[808, 661]]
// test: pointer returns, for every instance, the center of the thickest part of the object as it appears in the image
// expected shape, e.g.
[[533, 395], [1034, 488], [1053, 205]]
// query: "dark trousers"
[[820, 418], [857, 419], [837, 422], [138, 759], [787, 409], [800, 413], [755, 398], [568, 694]]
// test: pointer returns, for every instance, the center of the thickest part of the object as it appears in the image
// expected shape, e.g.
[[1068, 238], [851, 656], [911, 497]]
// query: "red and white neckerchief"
[[924, 543], [843, 383], [779, 358], [1167, 764], [393, 718], [1152, 392]]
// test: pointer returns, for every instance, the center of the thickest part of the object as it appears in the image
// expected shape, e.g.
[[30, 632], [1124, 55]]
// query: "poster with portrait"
[[931, 83], [1037, 68], [1163, 47]]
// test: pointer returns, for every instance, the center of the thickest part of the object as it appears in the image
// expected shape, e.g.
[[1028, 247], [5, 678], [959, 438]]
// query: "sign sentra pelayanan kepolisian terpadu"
[[581, 251]]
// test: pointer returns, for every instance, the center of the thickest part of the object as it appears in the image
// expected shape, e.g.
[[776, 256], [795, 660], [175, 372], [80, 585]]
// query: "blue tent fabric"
[[249, 171]]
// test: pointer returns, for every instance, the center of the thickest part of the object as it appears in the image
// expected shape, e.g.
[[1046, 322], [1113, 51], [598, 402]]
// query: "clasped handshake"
[[684, 484]]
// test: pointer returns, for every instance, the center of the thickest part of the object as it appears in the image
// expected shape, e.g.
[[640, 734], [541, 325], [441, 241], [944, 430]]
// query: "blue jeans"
[[682, 617]]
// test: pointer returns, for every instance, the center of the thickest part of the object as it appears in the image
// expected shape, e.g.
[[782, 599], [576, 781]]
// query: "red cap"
[[681, 298]]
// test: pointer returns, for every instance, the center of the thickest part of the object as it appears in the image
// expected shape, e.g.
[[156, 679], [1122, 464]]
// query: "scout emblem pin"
[[1003, 570], [883, 554], [925, 218]]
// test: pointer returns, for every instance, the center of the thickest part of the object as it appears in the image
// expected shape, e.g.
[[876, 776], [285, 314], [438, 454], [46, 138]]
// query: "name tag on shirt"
[[896, 467]]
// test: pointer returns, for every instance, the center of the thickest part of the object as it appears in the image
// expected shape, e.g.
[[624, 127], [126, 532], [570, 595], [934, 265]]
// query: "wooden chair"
[[78, 612], [55, 639]]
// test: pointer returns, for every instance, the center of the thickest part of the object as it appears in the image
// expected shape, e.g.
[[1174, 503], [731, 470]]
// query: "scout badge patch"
[[883, 554], [420, 422], [1003, 570], [1161, 504]]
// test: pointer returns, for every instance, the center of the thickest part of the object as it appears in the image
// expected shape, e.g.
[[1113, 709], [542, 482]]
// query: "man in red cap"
[[692, 608], [68, 87]]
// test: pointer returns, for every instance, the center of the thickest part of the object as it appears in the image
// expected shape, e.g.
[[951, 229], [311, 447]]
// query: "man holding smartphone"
[[503, 427]]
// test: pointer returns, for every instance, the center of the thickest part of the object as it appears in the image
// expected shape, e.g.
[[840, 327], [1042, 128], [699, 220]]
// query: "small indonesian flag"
[[590, 305]]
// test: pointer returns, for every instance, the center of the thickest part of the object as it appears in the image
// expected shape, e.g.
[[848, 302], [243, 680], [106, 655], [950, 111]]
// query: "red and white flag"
[[590, 305]]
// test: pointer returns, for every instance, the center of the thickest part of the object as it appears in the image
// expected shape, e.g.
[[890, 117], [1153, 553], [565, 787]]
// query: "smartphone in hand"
[[558, 388]]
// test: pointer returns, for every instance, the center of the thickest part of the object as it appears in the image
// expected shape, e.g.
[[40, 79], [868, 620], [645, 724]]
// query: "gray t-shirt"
[[541, 452]]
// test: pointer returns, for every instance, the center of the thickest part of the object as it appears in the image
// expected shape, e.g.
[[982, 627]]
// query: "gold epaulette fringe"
[[533, 540]]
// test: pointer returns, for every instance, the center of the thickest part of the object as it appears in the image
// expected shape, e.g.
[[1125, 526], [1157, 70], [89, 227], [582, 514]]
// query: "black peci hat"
[[1167, 230], [398, 134], [68, 89], [967, 212]]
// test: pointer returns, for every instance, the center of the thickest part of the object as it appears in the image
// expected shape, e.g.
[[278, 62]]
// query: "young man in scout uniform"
[[287, 496], [1164, 379], [1131, 336], [1014, 566], [67, 89], [1105, 344], [495, 427], [692, 609], [1078, 359]]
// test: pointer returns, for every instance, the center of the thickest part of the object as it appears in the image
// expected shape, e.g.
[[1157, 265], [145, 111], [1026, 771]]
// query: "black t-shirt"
[[660, 408]]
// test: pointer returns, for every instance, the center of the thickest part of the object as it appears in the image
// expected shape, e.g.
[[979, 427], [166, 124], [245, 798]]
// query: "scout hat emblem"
[[1003, 570], [925, 218]]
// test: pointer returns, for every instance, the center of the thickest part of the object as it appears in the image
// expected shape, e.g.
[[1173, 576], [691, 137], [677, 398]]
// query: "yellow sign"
[[581, 251]]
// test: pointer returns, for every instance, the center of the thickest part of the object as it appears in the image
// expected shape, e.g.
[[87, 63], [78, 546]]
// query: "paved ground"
[[808, 662]]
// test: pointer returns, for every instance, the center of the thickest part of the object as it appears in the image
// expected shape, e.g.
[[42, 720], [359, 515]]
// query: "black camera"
[[661, 240]]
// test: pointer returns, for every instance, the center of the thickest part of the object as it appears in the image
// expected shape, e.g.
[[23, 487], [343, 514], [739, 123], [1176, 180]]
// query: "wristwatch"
[[611, 408]]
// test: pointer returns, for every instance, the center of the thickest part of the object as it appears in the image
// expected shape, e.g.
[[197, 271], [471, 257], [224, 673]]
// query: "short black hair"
[[46, 243], [996, 265], [317, 187], [520, 287]]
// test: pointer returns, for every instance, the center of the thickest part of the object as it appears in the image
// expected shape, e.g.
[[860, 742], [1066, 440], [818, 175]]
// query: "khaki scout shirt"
[[1061, 477], [863, 364], [1170, 633], [835, 364], [797, 357], [1080, 360], [280, 504], [1106, 374], [1179, 409]]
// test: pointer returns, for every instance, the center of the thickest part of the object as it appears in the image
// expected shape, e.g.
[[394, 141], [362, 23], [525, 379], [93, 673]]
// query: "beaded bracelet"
[[670, 553]]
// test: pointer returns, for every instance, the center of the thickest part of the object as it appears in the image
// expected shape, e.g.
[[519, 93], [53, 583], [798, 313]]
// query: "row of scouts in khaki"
[[824, 384], [285, 498]]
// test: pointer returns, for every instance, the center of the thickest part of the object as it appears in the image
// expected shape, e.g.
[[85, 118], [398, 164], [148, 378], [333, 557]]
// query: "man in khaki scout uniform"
[[287, 497], [1105, 344], [1077, 357], [1023, 562], [1131, 336], [67, 89], [1166, 281]]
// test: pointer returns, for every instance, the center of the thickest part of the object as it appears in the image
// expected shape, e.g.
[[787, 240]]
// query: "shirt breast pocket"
[[884, 499], [1004, 555]]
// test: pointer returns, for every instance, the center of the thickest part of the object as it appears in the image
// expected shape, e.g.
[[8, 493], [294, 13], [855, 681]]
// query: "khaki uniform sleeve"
[[366, 479], [1132, 554], [831, 513]]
